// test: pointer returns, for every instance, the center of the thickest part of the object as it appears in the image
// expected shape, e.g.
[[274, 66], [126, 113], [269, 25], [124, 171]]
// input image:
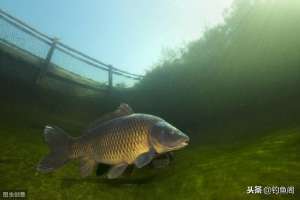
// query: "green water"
[[219, 164], [234, 91]]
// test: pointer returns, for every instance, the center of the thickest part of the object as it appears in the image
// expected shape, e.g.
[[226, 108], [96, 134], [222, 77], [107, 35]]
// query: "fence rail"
[[18, 34]]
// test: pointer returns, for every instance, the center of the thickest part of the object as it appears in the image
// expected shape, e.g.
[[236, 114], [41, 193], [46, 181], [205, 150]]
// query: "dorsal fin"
[[123, 110]]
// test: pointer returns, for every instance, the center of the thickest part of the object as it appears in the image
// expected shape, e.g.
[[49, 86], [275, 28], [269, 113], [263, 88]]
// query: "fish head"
[[164, 137]]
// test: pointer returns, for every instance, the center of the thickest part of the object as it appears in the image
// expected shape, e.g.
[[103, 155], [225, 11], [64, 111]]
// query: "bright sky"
[[128, 34]]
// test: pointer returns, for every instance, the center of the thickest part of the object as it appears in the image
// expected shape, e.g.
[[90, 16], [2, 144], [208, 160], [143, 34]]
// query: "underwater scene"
[[215, 119]]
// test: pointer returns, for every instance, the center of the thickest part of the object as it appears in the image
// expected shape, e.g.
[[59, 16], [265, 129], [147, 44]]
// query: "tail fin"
[[59, 143]]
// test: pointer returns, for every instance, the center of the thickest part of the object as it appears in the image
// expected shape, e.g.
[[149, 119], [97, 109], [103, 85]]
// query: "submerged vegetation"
[[219, 166], [235, 92], [247, 65]]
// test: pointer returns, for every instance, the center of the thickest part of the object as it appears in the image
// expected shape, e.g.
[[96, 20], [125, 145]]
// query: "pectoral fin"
[[160, 163], [116, 170], [87, 166], [144, 159], [162, 160]]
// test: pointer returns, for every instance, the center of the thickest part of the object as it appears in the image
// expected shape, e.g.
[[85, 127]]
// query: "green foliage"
[[250, 61]]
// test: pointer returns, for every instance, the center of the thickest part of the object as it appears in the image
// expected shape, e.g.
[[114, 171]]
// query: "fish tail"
[[59, 143]]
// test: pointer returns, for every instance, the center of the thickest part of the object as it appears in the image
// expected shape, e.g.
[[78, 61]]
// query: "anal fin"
[[144, 159], [87, 166], [116, 170]]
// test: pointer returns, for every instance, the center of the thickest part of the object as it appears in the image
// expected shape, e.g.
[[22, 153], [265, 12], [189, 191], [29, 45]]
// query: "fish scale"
[[123, 142]]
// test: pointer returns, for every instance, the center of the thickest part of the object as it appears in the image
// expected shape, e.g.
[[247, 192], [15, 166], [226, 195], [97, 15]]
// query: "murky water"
[[235, 92]]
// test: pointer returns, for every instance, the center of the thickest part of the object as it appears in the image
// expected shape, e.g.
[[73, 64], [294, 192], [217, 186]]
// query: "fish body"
[[119, 139]]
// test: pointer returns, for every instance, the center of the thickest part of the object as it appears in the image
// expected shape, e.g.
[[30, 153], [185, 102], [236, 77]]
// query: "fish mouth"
[[184, 143], [181, 144]]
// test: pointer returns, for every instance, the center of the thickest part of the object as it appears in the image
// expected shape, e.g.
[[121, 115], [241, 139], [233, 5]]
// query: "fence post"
[[47, 61], [110, 77]]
